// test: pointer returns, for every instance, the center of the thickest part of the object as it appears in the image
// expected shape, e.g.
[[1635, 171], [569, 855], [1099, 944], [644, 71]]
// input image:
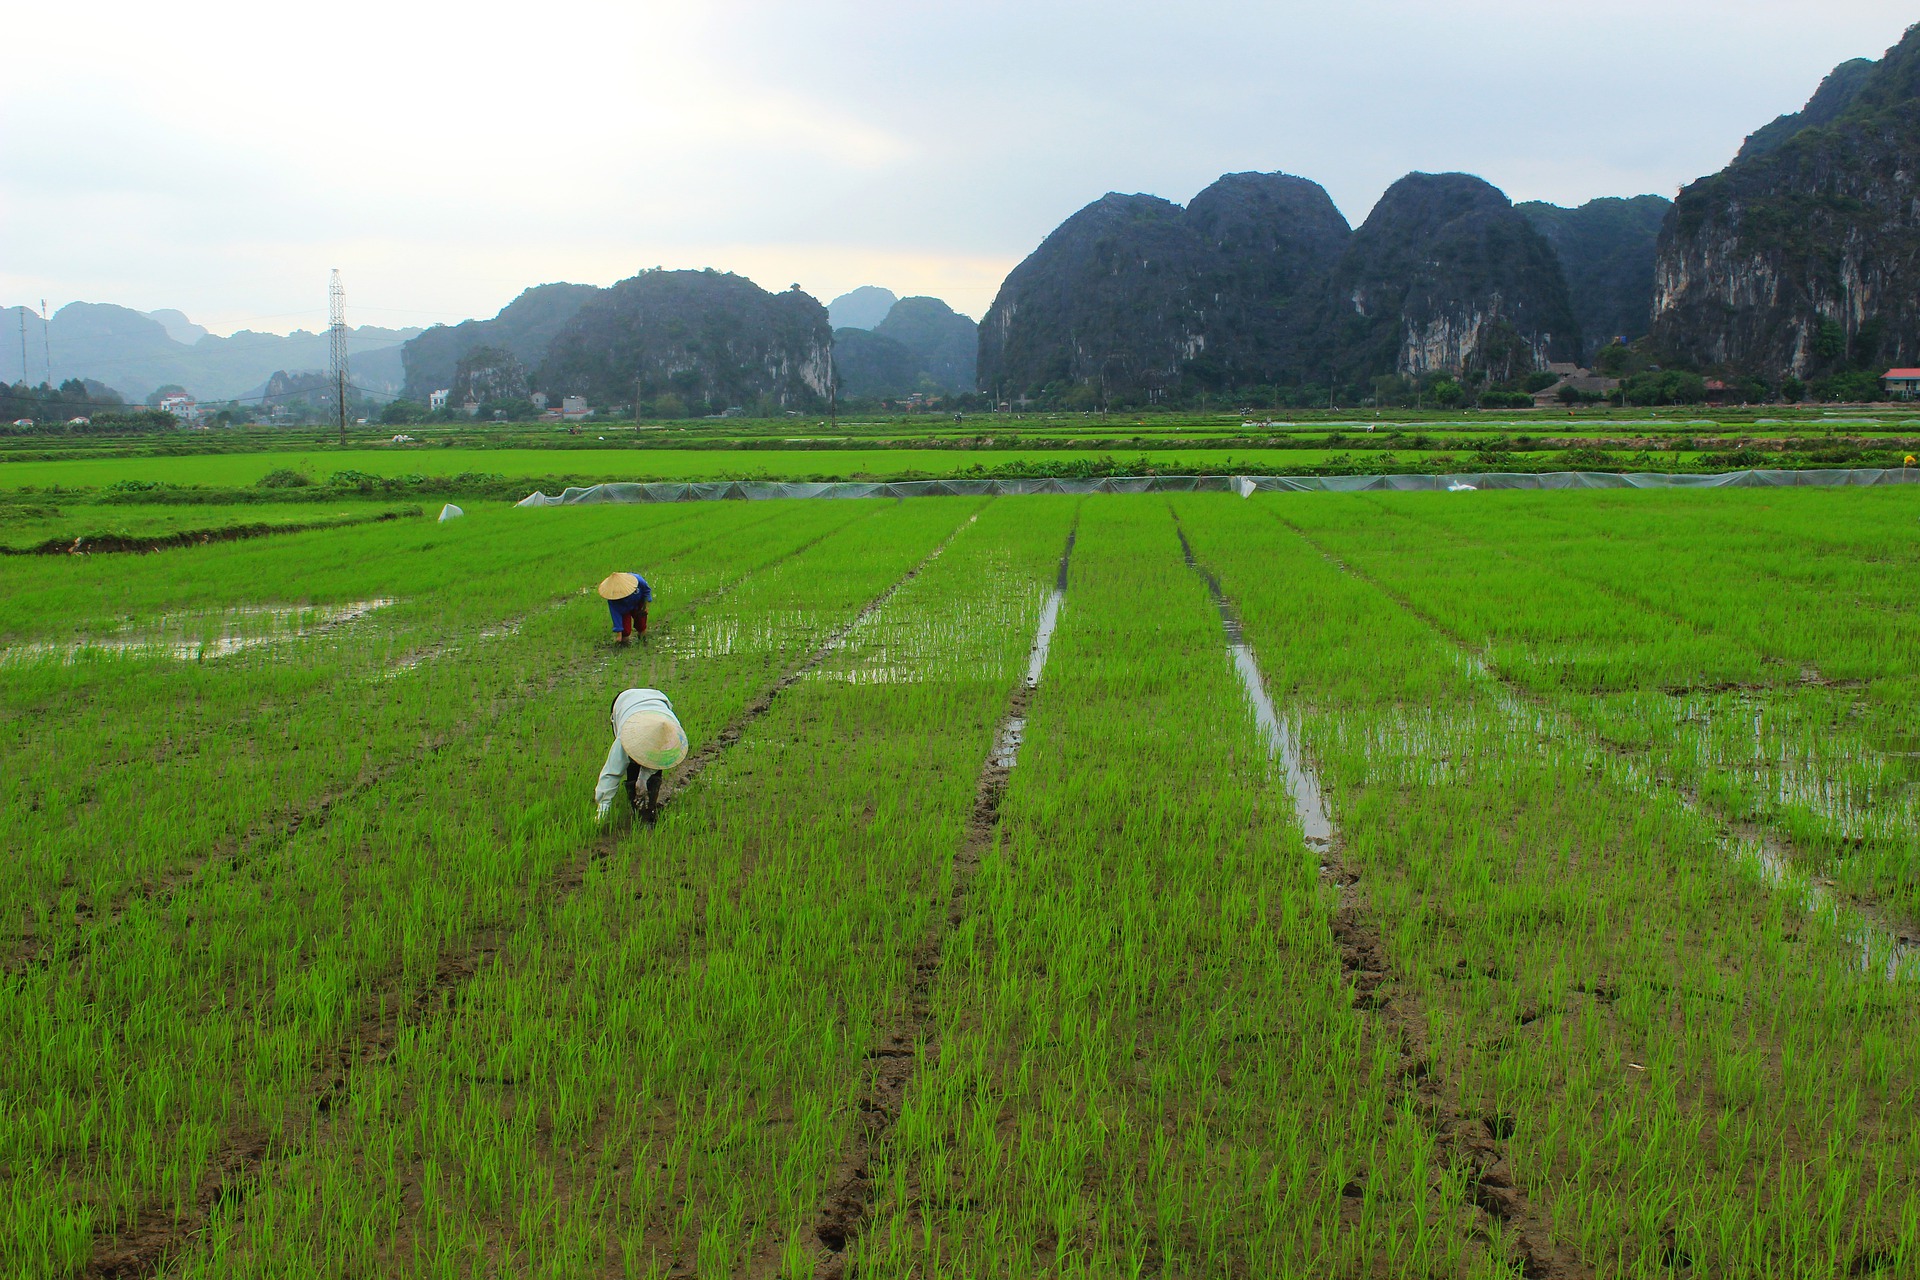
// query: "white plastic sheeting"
[[451, 512], [1245, 486]]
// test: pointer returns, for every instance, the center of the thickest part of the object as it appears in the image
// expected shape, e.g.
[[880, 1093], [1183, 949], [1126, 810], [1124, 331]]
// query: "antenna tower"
[[337, 343], [46, 341], [23, 344]]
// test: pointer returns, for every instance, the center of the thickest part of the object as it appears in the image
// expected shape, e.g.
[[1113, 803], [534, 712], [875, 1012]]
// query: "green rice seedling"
[[213, 1007], [1637, 1021], [690, 1033], [1148, 1060]]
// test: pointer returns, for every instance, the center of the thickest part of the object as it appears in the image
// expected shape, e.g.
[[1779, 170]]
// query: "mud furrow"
[[1473, 1146], [159, 1233], [1882, 933], [848, 1202], [92, 544]]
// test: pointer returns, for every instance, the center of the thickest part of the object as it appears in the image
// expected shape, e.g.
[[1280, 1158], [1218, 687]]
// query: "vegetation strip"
[[89, 544], [144, 1246], [1886, 944], [1470, 1143], [849, 1200]]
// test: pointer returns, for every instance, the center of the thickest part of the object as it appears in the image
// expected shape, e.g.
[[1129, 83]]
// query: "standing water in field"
[[1283, 743], [200, 636], [1006, 751]]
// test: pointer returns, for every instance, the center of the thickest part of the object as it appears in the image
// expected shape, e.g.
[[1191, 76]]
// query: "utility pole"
[[337, 342], [46, 343], [23, 346], [833, 388]]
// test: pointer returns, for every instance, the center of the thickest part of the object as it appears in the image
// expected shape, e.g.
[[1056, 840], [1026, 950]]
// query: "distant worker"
[[647, 740], [626, 595]]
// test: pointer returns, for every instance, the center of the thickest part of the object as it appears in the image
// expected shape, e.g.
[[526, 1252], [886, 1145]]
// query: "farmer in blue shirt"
[[626, 595]]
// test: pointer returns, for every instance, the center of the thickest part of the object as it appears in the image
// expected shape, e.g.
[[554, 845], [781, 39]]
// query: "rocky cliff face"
[[1446, 276], [1606, 249], [523, 328], [711, 338], [1135, 293], [488, 375], [1803, 256]]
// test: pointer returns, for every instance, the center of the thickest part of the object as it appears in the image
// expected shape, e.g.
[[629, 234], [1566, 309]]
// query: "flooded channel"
[[1283, 740], [198, 637], [1006, 748]]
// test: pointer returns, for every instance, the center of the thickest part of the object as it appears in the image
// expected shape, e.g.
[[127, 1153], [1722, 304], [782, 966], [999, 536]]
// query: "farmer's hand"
[[602, 810]]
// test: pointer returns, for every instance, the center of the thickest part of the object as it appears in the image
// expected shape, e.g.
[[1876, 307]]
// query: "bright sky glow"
[[219, 156]]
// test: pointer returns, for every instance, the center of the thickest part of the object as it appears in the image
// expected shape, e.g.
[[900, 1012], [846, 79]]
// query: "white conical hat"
[[653, 740], [618, 586]]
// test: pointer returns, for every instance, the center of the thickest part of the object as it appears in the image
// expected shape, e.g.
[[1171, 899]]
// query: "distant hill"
[[870, 367], [710, 340], [1835, 94], [1259, 282], [863, 308], [945, 343], [134, 352], [1137, 295], [1606, 248], [523, 328], [1446, 276], [1802, 257]]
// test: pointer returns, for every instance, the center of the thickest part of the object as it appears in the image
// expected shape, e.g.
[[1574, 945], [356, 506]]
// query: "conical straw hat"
[[618, 586], [654, 740]]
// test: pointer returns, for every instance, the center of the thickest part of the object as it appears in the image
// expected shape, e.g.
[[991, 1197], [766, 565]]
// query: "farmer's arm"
[[613, 776]]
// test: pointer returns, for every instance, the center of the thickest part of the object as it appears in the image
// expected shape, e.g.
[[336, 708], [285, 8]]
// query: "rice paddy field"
[[1378, 885]]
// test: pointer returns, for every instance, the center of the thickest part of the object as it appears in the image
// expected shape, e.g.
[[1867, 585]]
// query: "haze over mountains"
[[135, 352], [1799, 261]]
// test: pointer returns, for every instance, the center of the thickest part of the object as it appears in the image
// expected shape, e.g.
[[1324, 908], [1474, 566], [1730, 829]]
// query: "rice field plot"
[[1656, 1061], [1763, 662], [192, 1032], [1308, 885]]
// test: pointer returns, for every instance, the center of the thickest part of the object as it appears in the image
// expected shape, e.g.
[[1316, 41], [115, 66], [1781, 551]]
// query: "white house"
[[438, 399]]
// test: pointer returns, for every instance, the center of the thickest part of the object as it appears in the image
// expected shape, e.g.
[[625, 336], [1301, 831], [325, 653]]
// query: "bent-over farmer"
[[647, 740], [626, 595]]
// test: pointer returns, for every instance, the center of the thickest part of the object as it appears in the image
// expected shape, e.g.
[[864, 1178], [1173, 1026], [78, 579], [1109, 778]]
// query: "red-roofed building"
[[1904, 383]]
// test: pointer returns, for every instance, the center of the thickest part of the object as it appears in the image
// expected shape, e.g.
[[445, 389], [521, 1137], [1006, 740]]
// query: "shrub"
[[284, 478]]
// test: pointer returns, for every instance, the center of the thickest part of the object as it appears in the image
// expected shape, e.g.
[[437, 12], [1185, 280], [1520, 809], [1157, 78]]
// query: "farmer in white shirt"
[[647, 739]]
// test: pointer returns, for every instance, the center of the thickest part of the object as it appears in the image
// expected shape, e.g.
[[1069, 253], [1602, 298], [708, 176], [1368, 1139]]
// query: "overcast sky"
[[219, 156]]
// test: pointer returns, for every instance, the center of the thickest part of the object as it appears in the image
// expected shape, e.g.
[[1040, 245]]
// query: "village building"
[[1901, 384]]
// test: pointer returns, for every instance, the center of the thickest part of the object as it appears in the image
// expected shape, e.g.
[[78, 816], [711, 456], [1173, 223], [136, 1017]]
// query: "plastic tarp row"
[[761, 490]]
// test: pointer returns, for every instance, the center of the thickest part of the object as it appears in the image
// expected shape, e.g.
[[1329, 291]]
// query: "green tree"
[[1829, 340]]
